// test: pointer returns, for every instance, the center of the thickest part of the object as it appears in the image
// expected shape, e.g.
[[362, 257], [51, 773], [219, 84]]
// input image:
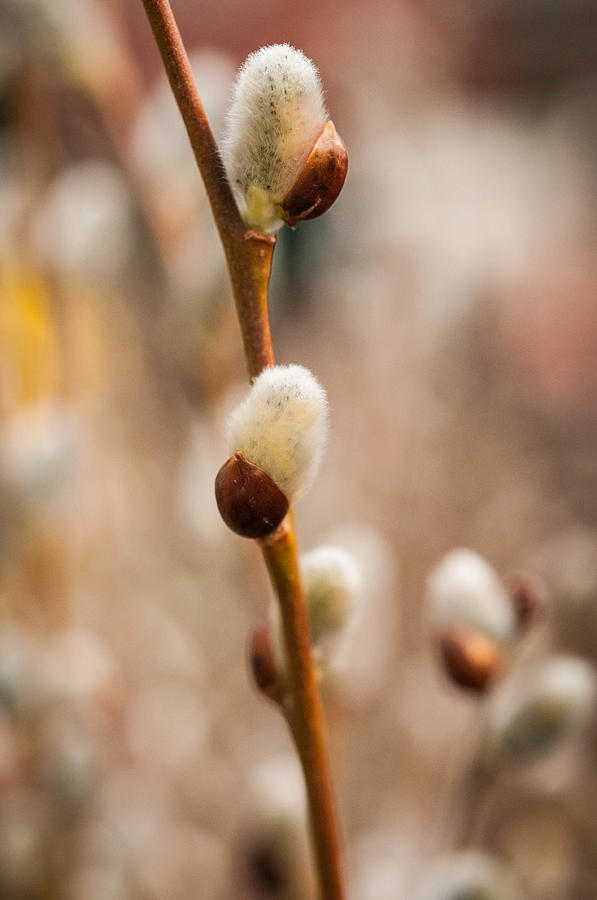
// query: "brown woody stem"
[[249, 258], [248, 254], [305, 714], [475, 798]]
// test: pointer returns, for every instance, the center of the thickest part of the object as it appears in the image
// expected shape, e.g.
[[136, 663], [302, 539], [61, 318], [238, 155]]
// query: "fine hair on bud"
[[332, 580], [281, 427], [276, 115], [463, 589], [540, 708]]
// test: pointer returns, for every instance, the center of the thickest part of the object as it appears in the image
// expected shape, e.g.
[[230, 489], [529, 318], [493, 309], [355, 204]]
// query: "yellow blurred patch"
[[30, 367]]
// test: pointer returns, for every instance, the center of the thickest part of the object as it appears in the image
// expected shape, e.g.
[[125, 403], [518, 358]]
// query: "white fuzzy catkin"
[[332, 580], [468, 874], [281, 427], [85, 223], [277, 789], [275, 823], [540, 708], [276, 115], [39, 448], [463, 589]]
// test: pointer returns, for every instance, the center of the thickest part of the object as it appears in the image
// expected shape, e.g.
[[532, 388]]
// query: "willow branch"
[[249, 257], [248, 254], [306, 713], [475, 798], [180, 76]]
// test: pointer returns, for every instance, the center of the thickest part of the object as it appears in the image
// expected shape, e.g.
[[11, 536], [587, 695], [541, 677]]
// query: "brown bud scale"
[[471, 659], [263, 665], [320, 181], [250, 502], [528, 594]]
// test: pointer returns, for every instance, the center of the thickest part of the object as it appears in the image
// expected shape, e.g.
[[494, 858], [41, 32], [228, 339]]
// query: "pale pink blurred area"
[[448, 304], [548, 318]]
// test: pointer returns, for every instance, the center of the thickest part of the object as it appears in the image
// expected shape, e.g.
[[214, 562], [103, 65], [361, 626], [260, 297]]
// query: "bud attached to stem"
[[250, 502], [320, 180], [529, 599], [263, 663], [464, 590], [541, 708], [277, 436], [284, 159], [471, 659], [332, 581]]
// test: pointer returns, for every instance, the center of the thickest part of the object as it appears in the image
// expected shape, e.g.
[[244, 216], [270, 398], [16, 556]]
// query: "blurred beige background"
[[447, 302]]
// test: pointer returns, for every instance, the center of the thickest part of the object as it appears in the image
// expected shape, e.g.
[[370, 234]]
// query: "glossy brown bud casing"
[[320, 181], [470, 658], [250, 502]]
